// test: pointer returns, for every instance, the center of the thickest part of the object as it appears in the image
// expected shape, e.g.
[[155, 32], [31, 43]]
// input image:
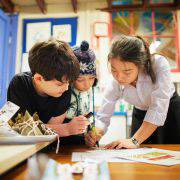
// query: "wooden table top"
[[13, 154], [128, 171]]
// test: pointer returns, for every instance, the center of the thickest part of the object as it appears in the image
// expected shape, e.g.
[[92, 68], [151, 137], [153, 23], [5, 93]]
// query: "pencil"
[[94, 131]]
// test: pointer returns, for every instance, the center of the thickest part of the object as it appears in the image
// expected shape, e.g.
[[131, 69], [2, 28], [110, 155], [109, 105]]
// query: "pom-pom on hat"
[[86, 57]]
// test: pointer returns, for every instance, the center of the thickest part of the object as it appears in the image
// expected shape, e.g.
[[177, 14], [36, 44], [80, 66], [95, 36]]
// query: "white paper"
[[153, 156], [6, 132], [25, 64], [146, 155], [37, 32], [62, 32], [99, 155], [7, 112]]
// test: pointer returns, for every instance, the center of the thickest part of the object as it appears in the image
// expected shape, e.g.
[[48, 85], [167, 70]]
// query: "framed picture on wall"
[[101, 29], [63, 32], [37, 32]]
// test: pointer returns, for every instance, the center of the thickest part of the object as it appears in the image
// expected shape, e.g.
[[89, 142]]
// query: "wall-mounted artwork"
[[37, 32], [62, 32], [156, 27]]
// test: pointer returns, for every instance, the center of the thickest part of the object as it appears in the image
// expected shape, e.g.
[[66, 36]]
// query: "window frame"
[[154, 36]]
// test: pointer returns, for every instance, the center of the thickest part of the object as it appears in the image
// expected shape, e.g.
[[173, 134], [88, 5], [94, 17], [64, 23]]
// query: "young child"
[[45, 89], [143, 80], [82, 97]]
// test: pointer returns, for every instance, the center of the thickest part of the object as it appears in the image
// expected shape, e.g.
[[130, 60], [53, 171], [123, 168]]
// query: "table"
[[11, 155], [118, 171]]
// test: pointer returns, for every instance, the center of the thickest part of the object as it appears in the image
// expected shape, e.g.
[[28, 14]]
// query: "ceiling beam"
[[74, 5], [42, 6], [118, 8], [163, 5], [177, 4], [109, 2], [8, 5], [144, 6]]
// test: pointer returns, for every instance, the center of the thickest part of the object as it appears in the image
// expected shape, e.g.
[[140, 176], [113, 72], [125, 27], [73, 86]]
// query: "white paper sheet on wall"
[[62, 32], [37, 32], [25, 64]]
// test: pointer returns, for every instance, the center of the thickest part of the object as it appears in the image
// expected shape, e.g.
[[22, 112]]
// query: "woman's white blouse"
[[153, 98]]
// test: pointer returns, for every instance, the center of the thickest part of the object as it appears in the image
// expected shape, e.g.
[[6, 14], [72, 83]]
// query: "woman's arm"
[[145, 131], [110, 96]]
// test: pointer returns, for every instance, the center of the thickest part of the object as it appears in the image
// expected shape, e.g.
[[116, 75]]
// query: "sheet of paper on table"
[[99, 155], [146, 155], [153, 156]]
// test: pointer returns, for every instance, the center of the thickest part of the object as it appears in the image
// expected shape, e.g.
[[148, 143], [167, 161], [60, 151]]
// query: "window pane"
[[120, 23], [167, 47], [164, 24], [161, 2], [143, 23], [120, 2]]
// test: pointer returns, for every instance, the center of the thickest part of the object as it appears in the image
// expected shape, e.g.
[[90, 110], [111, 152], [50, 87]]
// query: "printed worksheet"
[[146, 155], [82, 156], [153, 156], [100, 154]]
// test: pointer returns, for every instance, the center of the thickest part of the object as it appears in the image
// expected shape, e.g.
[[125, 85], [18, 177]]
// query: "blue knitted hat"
[[86, 58]]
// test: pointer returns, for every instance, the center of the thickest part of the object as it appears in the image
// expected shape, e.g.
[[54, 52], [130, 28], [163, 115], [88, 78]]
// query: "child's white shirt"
[[80, 103]]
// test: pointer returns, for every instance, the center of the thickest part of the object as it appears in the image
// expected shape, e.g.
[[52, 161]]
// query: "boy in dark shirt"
[[45, 89]]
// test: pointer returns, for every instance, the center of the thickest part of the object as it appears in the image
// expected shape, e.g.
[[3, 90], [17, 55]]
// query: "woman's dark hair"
[[133, 49], [54, 59]]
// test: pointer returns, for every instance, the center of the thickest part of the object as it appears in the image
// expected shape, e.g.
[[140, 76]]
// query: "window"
[[158, 27]]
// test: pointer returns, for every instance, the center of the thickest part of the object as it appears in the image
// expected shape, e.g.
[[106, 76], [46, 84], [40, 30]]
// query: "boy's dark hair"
[[54, 59], [133, 49]]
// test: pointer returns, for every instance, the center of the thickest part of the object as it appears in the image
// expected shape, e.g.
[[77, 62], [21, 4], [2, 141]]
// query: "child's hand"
[[121, 143], [78, 125], [91, 138]]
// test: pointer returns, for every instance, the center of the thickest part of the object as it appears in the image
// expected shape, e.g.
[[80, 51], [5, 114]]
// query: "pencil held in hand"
[[93, 128]]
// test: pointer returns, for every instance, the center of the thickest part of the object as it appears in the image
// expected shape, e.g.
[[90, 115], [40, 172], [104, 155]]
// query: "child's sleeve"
[[160, 97], [17, 94], [72, 109], [111, 95]]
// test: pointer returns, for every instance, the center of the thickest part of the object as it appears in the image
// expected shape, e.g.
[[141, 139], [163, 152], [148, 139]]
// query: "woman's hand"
[[121, 143], [91, 137]]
